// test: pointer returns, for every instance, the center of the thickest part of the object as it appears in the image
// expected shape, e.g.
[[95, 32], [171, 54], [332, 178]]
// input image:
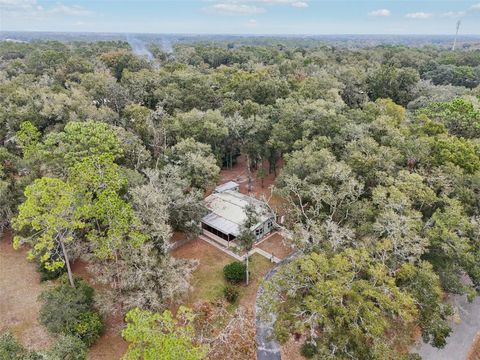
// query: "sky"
[[242, 16]]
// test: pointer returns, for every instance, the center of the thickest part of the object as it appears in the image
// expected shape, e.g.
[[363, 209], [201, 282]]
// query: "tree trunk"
[[247, 268], [67, 262], [249, 175]]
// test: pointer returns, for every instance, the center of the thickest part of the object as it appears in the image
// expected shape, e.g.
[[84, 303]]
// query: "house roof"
[[230, 185], [228, 211]]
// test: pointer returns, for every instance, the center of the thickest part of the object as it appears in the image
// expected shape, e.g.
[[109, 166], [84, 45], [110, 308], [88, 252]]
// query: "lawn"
[[208, 281]]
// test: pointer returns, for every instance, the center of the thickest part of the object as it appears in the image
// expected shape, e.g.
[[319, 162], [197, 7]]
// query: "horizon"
[[237, 34]]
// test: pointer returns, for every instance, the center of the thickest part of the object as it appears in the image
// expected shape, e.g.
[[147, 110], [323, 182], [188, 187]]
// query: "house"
[[227, 214]]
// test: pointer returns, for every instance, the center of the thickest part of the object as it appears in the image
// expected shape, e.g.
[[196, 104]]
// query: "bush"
[[235, 272], [88, 327], [231, 293], [11, 349], [68, 348], [69, 311], [308, 349]]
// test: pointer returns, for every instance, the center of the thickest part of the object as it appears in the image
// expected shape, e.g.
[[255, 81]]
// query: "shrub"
[[88, 327], [308, 349], [68, 348], [235, 272], [69, 311], [11, 349], [231, 293], [62, 305]]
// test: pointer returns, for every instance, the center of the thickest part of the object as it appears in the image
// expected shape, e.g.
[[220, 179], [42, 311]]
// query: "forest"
[[375, 155]]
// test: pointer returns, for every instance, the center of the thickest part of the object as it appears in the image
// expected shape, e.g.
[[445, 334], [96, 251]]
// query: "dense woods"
[[103, 155]]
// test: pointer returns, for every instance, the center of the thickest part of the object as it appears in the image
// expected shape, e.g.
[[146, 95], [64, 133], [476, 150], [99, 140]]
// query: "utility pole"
[[456, 34]]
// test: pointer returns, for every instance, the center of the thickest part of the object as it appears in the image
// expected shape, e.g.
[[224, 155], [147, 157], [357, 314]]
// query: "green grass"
[[209, 281]]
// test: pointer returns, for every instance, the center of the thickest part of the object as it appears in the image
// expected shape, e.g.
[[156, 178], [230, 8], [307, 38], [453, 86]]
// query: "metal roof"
[[222, 224], [228, 211], [230, 185]]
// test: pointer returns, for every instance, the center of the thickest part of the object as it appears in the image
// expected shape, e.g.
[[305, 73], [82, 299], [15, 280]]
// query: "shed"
[[230, 185]]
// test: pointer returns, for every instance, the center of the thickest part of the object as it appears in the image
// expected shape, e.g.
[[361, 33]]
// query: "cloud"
[[31, 9], [252, 23], [294, 3], [476, 6], [300, 4], [419, 15], [453, 14], [74, 10], [380, 13], [234, 9]]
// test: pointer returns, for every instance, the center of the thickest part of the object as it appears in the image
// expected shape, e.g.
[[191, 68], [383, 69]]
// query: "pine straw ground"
[[19, 289]]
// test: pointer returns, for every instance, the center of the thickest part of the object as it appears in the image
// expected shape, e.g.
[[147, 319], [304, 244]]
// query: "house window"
[[259, 231]]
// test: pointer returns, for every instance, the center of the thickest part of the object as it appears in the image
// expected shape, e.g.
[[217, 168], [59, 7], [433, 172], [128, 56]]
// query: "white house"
[[227, 214]]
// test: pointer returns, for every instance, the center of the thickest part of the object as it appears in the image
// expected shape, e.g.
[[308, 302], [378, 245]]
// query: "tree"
[[119, 60], [247, 237], [166, 201], [49, 219], [261, 174], [80, 140], [424, 285], [207, 127], [154, 336], [143, 277], [393, 83], [113, 224], [317, 187], [347, 304], [460, 116], [453, 248], [196, 162], [458, 151], [397, 227]]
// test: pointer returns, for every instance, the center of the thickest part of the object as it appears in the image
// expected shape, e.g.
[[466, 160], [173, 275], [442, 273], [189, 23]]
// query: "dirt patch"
[[276, 245], [207, 280], [110, 346], [291, 349], [238, 173], [19, 289], [474, 353]]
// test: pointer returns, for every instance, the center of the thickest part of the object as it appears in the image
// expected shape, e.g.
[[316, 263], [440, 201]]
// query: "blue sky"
[[242, 16]]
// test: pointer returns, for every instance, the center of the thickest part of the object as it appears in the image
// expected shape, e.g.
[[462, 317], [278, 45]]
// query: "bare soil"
[[474, 353], [291, 349], [238, 173], [207, 281], [19, 289], [276, 245]]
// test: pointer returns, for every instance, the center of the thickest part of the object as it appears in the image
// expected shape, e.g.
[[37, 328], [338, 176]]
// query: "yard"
[[19, 288], [208, 281]]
